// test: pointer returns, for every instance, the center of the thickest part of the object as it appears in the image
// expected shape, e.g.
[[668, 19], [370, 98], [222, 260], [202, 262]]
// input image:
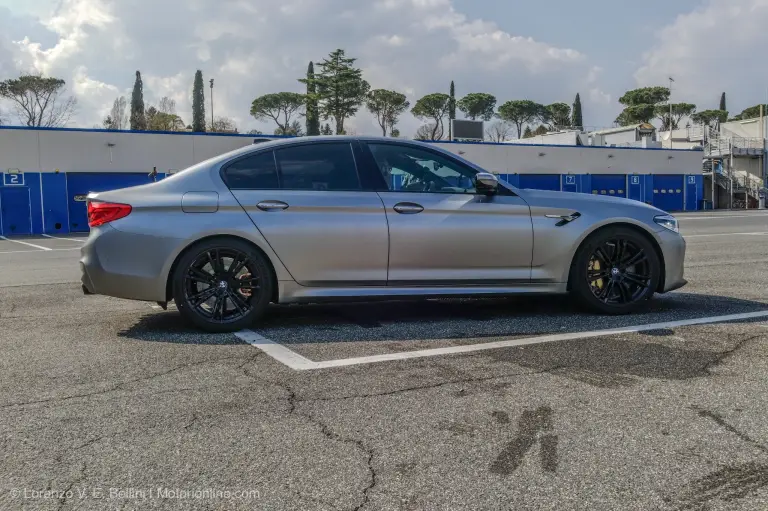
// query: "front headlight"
[[668, 222]]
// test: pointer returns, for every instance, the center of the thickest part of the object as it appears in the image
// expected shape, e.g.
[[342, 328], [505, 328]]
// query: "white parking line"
[[25, 243], [36, 251], [725, 234], [300, 363], [64, 239], [277, 351]]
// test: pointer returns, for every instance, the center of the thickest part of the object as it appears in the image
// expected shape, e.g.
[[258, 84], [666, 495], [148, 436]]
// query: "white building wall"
[[89, 151]]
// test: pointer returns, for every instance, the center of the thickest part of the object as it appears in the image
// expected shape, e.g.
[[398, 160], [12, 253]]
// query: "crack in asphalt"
[[432, 385], [730, 351], [119, 386], [326, 431], [720, 421]]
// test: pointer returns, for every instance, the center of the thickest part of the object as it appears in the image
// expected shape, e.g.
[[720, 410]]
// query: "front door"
[[306, 201], [440, 231]]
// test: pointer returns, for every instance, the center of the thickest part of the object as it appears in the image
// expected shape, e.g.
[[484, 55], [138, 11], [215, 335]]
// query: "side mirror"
[[486, 183]]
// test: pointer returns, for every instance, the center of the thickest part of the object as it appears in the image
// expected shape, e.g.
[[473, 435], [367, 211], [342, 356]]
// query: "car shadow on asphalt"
[[439, 319]]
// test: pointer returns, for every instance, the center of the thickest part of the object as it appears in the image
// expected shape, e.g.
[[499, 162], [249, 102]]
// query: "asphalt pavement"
[[110, 404]]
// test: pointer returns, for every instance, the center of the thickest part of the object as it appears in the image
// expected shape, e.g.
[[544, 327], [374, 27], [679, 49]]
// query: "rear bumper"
[[673, 249], [126, 265]]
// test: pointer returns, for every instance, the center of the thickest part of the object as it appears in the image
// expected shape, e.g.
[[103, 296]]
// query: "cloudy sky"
[[545, 51]]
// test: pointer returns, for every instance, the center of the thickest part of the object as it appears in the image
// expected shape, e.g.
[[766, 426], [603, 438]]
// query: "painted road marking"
[[25, 243], [726, 234], [63, 239], [277, 351], [300, 363], [36, 251]]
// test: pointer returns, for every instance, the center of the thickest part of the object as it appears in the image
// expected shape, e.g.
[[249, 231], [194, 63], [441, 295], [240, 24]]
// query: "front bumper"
[[126, 265], [673, 249]]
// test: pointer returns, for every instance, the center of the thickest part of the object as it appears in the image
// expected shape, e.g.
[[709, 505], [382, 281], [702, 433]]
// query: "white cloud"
[[717, 47], [253, 47]]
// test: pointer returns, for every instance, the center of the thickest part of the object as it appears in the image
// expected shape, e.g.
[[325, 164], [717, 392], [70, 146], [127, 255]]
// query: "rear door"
[[307, 201], [441, 232]]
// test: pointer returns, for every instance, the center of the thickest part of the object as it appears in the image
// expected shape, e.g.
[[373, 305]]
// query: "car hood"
[[554, 199]]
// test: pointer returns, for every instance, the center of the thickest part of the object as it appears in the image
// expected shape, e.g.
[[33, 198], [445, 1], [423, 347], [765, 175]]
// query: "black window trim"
[[503, 190]]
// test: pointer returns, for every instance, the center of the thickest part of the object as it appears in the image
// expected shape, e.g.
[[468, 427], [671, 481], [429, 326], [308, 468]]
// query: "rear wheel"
[[222, 285], [616, 271]]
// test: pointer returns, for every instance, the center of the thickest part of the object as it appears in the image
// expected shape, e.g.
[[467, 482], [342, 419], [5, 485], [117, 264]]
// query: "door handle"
[[272, 205], [408, 208]]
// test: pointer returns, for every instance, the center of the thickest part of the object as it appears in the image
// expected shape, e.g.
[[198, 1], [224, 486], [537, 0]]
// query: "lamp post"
[[211, 104], [671, 81]]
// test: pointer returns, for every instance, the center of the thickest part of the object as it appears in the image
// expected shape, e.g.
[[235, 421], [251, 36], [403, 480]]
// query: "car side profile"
[[361, 218]]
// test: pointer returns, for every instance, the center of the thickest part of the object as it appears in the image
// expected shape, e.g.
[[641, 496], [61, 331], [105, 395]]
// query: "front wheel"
[[616, 271], [222, 285]]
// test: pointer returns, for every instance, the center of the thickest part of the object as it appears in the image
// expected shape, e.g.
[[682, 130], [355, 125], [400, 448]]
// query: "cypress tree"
[[451, 110], [578, 121], [138, 119], [198, 103], [722, 102], [313, 120]]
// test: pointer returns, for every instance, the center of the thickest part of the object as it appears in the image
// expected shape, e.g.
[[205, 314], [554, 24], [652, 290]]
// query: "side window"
[[318, 167], [257, 172], [410, 169]]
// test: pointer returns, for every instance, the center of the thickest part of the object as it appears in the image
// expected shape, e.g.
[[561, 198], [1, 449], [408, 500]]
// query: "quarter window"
[[256, 172], [409, 169], [318, 167]]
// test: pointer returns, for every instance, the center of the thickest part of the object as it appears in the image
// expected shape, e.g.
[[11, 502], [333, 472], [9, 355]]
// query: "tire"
[[621, 288], [207, 276]]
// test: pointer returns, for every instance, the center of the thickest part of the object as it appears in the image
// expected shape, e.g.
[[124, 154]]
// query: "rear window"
[[328, 166], [256, 172]]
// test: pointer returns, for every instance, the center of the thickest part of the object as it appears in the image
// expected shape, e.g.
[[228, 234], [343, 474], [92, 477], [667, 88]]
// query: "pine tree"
[[722, 102], [198, 103], [451, 111], [313, 119], [138, 119], [578, 121]]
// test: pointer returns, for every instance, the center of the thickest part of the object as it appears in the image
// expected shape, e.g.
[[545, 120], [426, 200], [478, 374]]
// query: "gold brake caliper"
[[594, 265]]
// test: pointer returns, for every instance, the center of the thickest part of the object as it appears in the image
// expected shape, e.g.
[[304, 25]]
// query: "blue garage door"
[[614, 185], [15, 211], [668, 192], [80, 184], [540, 181]]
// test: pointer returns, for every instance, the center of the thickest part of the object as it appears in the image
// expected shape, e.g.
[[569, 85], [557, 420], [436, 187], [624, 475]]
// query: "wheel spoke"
[[605, 293], [640, 280], [238, 302], [624, 293], [237, 265], [602, 257], [636, 259], [618, 252], [598, 274], [199, 275], [202, 296], [218, 304], [249, 283]]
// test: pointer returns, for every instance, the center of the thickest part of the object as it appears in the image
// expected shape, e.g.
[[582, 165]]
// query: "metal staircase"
[[719, 145]]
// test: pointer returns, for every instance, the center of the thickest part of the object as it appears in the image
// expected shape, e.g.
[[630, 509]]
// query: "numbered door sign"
[[570, 180], [691, 180], [635, 180], [13, 179]]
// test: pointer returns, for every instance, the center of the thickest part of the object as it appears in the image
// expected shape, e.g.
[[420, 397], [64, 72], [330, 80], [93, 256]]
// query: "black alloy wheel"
[[615, 271], [222, 287]]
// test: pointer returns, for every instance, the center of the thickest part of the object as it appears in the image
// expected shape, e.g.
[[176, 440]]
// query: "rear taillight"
[[100, 213]]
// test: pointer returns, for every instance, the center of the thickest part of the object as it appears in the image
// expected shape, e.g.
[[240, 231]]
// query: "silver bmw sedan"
[[331, 218]]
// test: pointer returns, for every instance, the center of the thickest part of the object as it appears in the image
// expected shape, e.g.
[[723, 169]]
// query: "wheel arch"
[[630, 226], [192, 245]]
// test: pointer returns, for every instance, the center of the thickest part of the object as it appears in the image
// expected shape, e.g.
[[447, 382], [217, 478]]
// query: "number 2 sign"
[[13, 179]]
